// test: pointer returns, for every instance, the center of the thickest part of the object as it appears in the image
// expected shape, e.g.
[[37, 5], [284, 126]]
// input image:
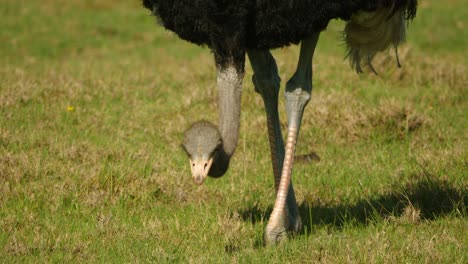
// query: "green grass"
[[94, 97]]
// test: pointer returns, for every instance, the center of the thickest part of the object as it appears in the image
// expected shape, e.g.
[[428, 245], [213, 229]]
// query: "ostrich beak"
[[200, 168]]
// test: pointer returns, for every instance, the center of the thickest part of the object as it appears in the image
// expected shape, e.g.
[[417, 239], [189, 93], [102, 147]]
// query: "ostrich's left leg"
[[298, 93], [267, 84]]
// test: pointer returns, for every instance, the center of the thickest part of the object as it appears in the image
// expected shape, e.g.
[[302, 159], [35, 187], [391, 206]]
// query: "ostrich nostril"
[[204, 167], [193, 165]]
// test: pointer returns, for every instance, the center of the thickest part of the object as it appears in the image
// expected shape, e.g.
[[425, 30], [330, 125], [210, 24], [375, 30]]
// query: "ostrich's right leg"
[[267, 84], [298, 92]]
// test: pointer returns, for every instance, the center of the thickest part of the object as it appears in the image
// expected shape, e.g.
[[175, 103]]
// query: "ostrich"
[[234, 28]]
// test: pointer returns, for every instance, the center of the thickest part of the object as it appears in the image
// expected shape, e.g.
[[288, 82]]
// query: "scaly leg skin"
[[267, 84], [298, 92]]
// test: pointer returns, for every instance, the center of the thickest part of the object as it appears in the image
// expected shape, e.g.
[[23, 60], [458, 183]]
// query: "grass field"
[[94, 98]]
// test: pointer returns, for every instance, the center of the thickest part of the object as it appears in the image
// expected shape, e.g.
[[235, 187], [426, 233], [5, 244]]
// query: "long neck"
[[229, 80]]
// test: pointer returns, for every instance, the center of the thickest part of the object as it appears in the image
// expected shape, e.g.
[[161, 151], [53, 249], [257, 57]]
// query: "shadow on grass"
[[424, 197]]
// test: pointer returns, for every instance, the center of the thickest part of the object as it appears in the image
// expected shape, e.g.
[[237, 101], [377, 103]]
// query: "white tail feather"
[[368, 33]]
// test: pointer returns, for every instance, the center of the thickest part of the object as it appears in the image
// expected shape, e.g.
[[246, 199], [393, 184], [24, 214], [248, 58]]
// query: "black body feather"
[[229, 27]]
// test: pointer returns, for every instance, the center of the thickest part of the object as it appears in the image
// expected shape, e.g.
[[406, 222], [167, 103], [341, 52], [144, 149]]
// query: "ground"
[[94, 98]]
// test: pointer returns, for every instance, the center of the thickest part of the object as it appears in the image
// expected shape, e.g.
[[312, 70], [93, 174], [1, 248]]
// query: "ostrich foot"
[[275, 234], [280, 230]]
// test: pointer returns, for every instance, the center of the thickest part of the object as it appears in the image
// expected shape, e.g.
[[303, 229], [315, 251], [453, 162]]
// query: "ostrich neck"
[[229, 81]]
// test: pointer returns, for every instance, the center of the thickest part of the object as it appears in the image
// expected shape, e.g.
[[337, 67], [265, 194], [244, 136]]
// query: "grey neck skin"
[[229, 81]]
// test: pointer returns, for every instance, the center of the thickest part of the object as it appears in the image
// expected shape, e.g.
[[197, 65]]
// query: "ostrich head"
[[203, 144]]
